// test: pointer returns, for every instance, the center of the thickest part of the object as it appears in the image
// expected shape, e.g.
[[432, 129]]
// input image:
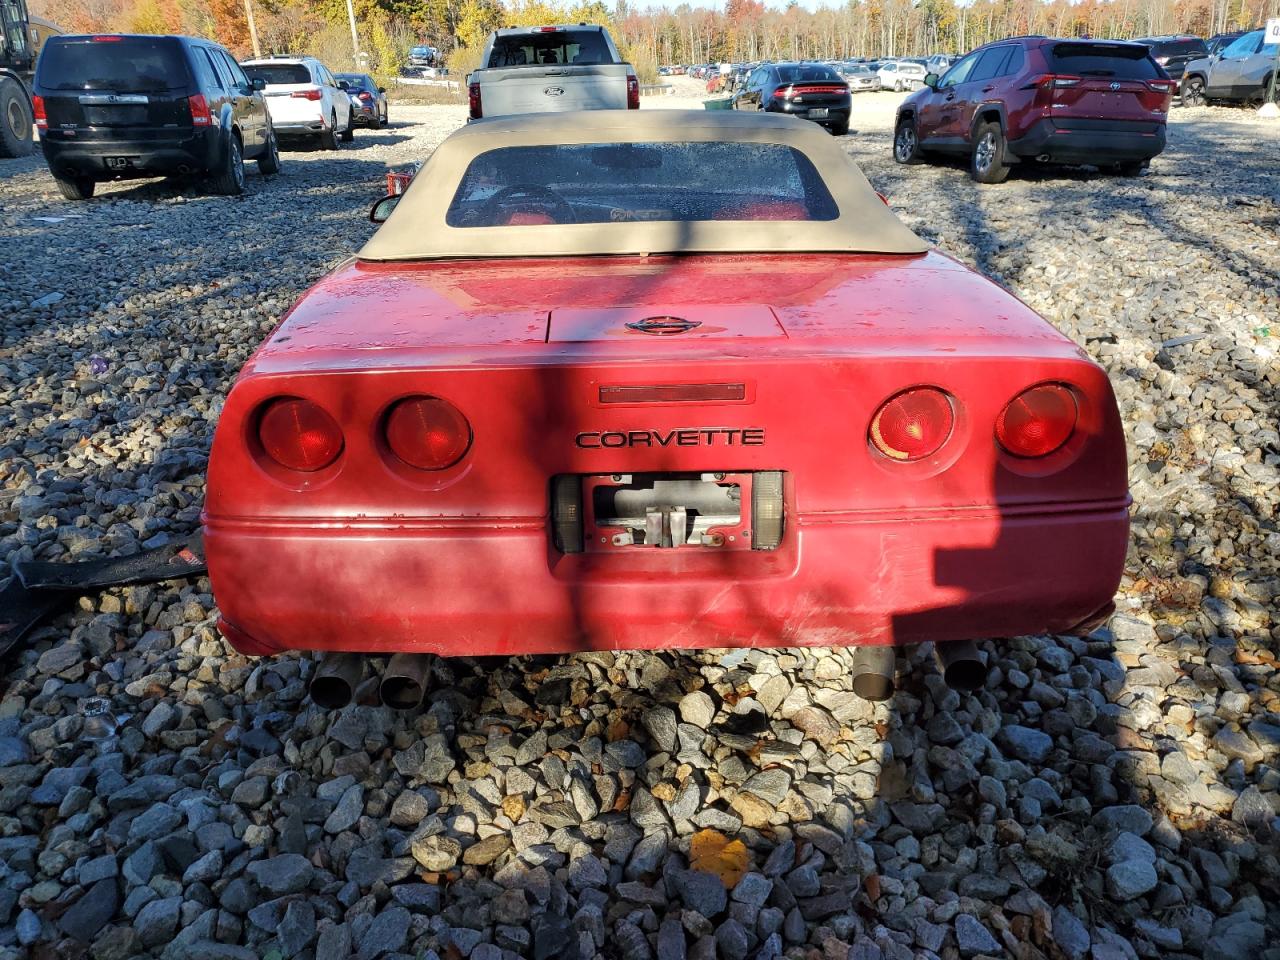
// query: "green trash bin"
[[718, 103]]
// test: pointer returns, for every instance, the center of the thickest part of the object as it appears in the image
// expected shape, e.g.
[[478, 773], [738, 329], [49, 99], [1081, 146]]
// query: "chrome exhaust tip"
[[873, 672], [335, 680], [404, 682], [963, 667]]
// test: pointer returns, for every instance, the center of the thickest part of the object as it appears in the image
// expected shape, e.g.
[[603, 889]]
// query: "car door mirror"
[[342, 85], [931, 81], [382, 209], [257, 83]]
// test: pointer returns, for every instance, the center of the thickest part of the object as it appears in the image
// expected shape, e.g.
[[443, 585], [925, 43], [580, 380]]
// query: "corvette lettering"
[[681, 437]]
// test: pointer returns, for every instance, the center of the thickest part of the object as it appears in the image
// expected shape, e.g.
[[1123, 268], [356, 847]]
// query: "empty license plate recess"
[[686, 511]]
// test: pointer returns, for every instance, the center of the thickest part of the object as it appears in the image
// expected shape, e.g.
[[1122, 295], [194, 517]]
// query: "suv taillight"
[[37, 111], [199, 106], [306, 94], [474, 101], [1046, 83], [1162, 86], [633, 92]]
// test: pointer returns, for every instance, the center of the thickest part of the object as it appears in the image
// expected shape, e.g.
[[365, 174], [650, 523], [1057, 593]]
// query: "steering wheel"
[[531, 194]]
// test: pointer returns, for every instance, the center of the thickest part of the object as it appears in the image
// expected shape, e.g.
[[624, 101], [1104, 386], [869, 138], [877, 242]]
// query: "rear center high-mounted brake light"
[[37, 110], [546, 29], [306, 94], [200, 114], [674, 393], [107, 39], [633, 92], [474, 101]]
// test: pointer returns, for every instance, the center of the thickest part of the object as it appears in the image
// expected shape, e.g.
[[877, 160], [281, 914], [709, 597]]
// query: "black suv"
[[1174, 53], [118, 107]]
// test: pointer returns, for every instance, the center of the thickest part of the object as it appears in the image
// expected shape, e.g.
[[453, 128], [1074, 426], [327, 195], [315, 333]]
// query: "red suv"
[[1044, 99]]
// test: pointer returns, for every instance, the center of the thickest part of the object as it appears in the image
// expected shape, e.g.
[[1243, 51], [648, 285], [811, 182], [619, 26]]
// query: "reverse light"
[[37, 112], [299, 435], [913, 424], [200, 114], [427, 433], [633, 92], [474, 101], [1037, 421], [306, 95]]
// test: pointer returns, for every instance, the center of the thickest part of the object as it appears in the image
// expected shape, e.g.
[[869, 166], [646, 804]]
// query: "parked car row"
[[121, 106]]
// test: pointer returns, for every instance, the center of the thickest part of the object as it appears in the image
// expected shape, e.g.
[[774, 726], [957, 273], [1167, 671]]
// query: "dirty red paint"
[[371, 554]]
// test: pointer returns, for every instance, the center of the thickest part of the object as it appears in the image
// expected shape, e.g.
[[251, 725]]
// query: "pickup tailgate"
[[553, 88]]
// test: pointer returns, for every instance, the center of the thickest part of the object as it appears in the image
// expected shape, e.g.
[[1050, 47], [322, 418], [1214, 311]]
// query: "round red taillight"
[[299, 435], [1037, 421], [913, 425], [427, 433]]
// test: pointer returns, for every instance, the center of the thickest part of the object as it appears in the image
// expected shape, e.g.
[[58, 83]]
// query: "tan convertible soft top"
[[417, 230]]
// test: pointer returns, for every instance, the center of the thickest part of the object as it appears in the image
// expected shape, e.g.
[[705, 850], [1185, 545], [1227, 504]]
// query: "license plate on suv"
[[118, 163]]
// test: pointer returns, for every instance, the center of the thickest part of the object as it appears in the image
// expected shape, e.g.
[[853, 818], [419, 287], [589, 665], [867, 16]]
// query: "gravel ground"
[[1108, 798]]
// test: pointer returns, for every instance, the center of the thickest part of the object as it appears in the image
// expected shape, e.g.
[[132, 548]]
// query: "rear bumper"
[[497, 587], [1091, 141], [293, 116], [197, 152], [836, 113]]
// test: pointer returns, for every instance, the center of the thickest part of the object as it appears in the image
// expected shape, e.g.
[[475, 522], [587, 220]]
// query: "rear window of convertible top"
[[627, 182]]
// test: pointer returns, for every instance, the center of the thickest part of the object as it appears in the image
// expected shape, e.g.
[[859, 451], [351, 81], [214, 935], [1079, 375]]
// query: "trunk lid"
[[683, 321], [1106, 81]]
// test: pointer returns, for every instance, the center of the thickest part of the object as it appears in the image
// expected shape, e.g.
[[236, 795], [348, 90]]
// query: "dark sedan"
[[807, 90], [368, 100]]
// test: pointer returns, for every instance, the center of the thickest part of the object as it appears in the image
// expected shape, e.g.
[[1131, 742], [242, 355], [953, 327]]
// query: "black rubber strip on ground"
[[182, 558]]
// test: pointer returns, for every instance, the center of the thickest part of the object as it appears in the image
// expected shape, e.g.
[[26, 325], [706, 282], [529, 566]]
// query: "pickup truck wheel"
[[349, 134], [15, 120], [906, 142], [269, 161], [987, 163], [75, 188], [1193, 92], [229, 181], [328, 137]]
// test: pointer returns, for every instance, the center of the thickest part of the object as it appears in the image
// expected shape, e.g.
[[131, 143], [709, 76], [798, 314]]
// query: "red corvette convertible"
[[618, 380]]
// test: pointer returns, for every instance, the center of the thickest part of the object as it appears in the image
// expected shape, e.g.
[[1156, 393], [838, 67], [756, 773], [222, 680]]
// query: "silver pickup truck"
[[551, 69]]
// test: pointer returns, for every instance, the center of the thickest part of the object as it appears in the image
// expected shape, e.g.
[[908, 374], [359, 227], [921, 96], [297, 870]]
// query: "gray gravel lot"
[[1115, 797]]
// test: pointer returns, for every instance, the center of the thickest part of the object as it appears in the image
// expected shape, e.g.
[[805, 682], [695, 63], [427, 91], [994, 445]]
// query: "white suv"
[[304, 99]]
